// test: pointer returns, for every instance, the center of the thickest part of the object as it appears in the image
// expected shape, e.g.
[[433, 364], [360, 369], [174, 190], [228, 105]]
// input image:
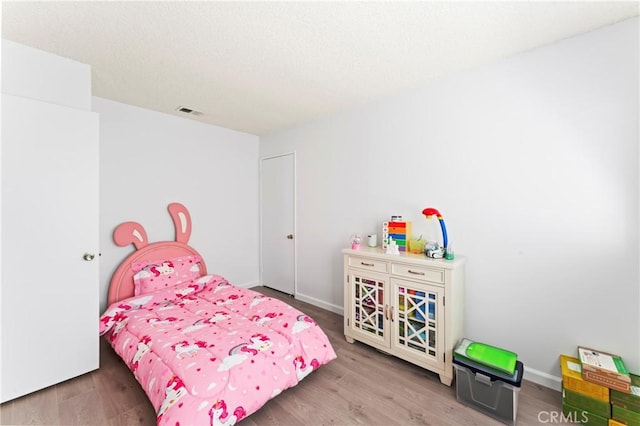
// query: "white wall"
[[66, 82], [533, 162], [149, 159]]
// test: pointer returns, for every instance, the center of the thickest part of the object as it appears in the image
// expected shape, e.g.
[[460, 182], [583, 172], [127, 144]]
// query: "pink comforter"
[[207, 352]]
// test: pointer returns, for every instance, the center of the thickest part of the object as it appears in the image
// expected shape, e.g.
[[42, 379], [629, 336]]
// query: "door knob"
[[290, 237], [88, 257]]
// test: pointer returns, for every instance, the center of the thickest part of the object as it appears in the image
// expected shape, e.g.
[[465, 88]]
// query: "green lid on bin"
[[490, 356]]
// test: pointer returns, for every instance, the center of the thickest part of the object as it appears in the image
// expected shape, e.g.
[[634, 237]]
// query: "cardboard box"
[[604, 369], [572, 379], [581, 416], [630, 401], [625, 416], [587, 403]]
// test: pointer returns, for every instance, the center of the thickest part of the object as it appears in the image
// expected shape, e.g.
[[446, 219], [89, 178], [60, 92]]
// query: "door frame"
[[295, 221]]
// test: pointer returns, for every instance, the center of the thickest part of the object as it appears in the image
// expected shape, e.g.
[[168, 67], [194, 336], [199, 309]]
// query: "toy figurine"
[[392, 247], [355, 241], [433, 250]]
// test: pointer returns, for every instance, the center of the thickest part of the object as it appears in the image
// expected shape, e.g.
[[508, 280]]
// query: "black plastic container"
[[488, 391]]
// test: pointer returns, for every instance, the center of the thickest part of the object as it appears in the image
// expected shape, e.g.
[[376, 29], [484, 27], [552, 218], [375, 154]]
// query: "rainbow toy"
[[430, 211], [400, 232]]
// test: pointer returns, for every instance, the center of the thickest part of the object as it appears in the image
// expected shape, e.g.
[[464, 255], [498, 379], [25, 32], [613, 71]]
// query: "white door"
[[49, 307], [277, 201]]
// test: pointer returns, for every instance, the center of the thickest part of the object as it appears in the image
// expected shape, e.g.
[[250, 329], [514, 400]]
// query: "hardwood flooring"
[[361, 387]]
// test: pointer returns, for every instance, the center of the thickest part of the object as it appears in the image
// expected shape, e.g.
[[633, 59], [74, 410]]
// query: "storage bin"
[[493, 395]]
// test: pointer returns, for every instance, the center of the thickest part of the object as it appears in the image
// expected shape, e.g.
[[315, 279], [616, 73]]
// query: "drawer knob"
[[366, 264], [415, 272]]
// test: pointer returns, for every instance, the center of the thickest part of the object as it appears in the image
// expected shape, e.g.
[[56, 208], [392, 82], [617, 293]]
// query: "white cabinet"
[[407, 305]]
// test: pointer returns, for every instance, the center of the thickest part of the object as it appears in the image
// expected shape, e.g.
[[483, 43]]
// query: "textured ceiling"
[[262, 66]]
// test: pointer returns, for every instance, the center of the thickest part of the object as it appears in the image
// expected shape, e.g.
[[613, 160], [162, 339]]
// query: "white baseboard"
[[312, 300], [320, 303], [248, 285], [543, 379]]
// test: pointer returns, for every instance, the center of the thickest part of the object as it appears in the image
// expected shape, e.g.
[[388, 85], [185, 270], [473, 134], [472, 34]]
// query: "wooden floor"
[[361, 387]]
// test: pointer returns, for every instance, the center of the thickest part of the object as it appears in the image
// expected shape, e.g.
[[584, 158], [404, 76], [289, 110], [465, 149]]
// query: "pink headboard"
[[127, 233]]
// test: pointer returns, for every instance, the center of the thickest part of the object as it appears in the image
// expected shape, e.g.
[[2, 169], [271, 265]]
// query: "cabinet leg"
[[446, 380], [349, 339]]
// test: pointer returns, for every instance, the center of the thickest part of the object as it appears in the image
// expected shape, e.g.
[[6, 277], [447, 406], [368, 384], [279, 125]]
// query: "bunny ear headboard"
[[126, 233]]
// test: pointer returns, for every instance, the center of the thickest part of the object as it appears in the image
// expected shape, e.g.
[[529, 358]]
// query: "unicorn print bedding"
[[205, 351]]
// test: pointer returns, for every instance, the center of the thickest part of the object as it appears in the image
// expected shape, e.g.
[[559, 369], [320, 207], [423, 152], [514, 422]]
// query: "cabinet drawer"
[[418, 272], [369, 264]]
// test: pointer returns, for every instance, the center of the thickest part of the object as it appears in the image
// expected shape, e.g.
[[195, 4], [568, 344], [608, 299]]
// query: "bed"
[[204, 350]]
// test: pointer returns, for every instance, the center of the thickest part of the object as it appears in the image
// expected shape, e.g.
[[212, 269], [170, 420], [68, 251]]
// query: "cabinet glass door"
[[417, 319], [368, 306]]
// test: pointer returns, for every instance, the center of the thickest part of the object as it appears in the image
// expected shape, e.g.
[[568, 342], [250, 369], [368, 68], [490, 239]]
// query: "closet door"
[[49, 305], [277, 223]]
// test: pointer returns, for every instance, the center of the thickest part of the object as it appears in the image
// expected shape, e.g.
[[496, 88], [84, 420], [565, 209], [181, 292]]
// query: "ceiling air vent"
[[188, 110]]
